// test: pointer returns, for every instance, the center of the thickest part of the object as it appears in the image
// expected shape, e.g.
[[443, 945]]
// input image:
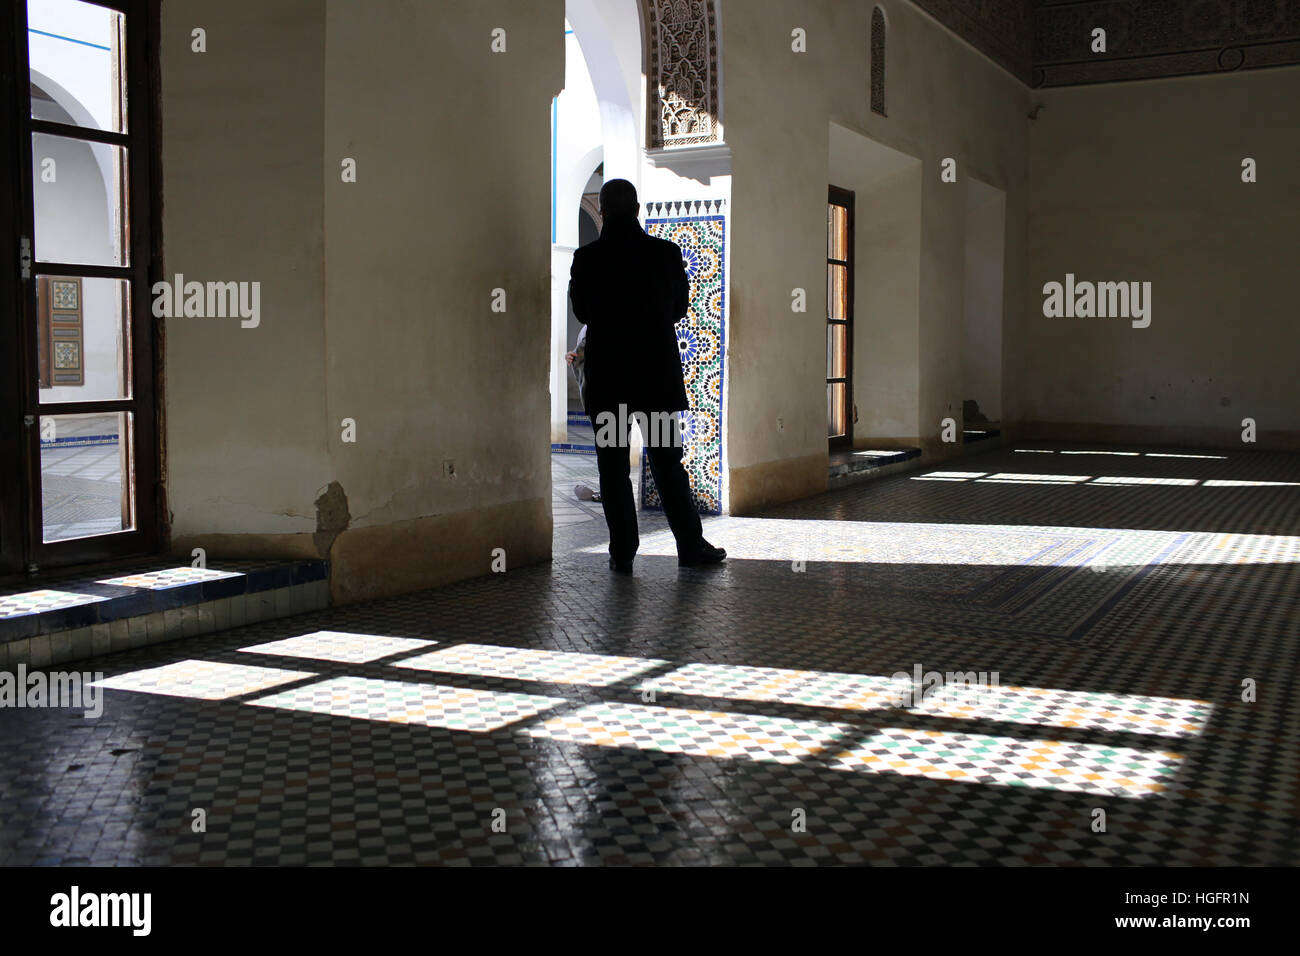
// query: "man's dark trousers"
[[671, 480], [630, 289]]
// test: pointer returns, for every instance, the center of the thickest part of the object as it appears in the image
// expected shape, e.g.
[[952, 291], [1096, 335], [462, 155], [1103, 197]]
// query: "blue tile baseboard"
[[73, 617], [854, 462], [851, 467]]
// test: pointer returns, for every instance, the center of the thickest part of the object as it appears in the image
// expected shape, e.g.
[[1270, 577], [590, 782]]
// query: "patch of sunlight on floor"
[[429, 705], [341, 646], [1012, 762], [523, 663], [202, 680]]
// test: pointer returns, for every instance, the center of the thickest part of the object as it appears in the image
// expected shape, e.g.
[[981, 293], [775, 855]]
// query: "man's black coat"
[[630, 289]]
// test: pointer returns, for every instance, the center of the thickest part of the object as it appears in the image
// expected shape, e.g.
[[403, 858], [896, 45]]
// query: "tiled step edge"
[[870, 467], [154, 627], [852, 463], [107, 602]]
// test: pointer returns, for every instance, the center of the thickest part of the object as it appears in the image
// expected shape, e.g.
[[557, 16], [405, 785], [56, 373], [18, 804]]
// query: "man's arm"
[[580, 290]]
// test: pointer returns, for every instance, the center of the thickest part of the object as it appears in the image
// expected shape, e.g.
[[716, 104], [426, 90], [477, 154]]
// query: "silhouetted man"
[[630, 289]]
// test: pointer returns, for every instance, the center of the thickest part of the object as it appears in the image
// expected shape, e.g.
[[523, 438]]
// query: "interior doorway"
[[595, 136]]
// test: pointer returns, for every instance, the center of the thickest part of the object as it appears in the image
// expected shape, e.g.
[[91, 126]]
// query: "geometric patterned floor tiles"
[[1111, 606], [333, 646], [170, 578], [202, 680], [1008, 761], [454, 708], [703, 733], [526, 664], [46, 599]]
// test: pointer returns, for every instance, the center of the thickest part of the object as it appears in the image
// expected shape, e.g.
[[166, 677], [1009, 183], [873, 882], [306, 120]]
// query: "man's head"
[[618, 201]]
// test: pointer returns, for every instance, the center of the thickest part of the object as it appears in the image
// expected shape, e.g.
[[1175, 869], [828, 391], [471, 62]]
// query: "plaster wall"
[[943, 100], [983, 298], [242, 145], [376, 295], [1142, 181]]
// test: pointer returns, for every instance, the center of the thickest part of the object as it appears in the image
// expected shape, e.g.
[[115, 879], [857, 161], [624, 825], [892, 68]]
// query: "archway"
[[642, 101]]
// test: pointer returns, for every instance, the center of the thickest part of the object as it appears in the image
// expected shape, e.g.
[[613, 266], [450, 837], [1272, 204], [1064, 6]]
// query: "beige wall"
[[241, 156], [452, 201], [1142, 181], [376, 295], [943, 99], [984, 306], [777, 108]]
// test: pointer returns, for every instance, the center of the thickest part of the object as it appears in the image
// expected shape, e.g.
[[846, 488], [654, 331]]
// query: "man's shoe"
[[707, 554], [622, 567]]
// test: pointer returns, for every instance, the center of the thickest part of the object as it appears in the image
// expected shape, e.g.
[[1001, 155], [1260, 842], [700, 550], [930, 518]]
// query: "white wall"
[[577, 150], [83, 69], [943, 99], [777, 110], [1142, 181]]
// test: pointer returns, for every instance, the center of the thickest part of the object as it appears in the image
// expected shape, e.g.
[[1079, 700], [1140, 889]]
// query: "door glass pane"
[[86, 486], [76, 55], [81, 193], [837, 351], [835, 417], [837, 292], [83, 338], [837, 232]]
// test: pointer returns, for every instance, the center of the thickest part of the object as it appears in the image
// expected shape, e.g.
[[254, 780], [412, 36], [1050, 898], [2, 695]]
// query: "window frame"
[[844, 198], [22, 544]]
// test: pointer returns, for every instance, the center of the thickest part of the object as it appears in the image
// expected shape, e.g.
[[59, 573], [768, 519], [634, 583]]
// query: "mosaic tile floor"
[[45, 599], [955, 665], [567, 470], [81, 482]]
